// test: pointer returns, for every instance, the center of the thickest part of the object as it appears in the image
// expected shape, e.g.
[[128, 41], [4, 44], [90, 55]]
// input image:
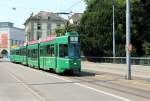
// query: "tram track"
[[114, 74], [110, 84], [90, 78]]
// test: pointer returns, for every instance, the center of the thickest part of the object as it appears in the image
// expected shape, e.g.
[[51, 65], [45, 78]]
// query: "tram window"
[[74, 51], [41, 51], [63, 50], [24, 52], [11, 52], [29, 51], [17, 52], [44, 50], [48, 52], [14, 52], [34, 53], [52, 50], [21, 53]]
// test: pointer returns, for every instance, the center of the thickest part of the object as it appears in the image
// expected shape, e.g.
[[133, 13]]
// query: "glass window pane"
[[63, 50]]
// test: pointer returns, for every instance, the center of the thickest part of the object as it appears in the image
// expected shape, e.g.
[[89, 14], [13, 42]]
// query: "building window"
[[58, 25], [39, 17], [29, 36], [38, 26], [39, 34], [49, 17], [49, 26]]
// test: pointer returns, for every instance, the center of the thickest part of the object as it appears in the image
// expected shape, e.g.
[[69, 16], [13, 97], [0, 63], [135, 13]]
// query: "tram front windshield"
[[74, 51], [69, 51]]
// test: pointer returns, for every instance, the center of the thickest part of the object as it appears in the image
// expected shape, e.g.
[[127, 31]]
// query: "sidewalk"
[[120, 69]]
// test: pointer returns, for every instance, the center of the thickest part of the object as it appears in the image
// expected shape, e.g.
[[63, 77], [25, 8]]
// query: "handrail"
[[118, 60]]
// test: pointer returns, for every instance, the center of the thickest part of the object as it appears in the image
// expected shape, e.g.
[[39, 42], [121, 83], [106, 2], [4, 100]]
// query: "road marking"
[[79, 84], [85, 86], [28, 88]]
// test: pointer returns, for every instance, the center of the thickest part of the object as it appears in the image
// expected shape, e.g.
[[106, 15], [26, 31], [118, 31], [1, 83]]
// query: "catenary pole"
[[128, 43], [114, 53]]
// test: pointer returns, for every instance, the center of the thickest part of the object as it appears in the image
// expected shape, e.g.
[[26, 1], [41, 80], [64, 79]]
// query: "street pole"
[[114, 53], [128, 31]]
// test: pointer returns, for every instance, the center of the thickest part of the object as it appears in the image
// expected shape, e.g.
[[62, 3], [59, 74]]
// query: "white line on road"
[[85, 86], [79, 84], [28, 88]]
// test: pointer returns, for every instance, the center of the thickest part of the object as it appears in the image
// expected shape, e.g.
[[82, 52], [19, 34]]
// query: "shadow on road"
[[81, 74], [86, 73]]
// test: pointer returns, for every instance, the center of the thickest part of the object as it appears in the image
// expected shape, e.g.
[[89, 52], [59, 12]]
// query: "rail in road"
[[37, 85], [120, 69]]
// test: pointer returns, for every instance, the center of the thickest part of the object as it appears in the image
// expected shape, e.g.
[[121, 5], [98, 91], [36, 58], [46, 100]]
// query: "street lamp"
[[128, 43], [114, 53]]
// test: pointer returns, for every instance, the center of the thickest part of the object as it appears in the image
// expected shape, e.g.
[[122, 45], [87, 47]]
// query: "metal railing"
[[119, 60]]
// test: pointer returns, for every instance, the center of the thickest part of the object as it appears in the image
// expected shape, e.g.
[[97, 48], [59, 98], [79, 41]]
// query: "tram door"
[[41, 57], [56, 55]]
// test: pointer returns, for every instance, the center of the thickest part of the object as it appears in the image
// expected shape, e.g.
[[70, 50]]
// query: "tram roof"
[[51, 38], [33, 42]]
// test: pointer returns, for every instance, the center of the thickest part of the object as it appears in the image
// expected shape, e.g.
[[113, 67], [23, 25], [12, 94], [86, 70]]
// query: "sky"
[[23, 9]]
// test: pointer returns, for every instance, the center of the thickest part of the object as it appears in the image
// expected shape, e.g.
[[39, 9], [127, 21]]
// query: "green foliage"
[[71, 27], [67, 28], [60, 31], [96, 27], [139, 25], [146, 47]]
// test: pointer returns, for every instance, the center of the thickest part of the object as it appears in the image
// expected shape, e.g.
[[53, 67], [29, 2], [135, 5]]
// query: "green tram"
[[15, 57], [23, 56], [59, 54]]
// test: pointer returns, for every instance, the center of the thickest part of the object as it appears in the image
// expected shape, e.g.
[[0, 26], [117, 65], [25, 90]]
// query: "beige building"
[[76, 17], [42, 25]]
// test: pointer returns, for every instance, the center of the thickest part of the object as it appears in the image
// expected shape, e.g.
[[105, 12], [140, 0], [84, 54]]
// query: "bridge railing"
[[119, 60]]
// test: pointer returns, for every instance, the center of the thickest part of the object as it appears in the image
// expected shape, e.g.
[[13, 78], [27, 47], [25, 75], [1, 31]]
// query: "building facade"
[[42, 25], [10, 36], [76, 17]]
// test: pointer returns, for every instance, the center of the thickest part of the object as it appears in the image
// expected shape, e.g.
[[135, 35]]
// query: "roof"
[[76, 17], [43, 15], [6, 24]]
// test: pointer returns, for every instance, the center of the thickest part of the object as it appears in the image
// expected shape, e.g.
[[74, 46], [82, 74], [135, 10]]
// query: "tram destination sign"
[[73, 39]]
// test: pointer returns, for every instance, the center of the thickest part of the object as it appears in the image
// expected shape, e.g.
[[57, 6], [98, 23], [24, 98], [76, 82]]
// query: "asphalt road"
[[121, 69], [21, 83]]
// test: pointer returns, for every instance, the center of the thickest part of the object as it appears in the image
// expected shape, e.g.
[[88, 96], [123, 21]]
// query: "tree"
[[140, 26], [68, 27], [60, 31], [95, 28]]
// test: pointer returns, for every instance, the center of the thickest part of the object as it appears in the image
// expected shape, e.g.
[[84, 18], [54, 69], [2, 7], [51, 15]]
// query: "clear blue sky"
[[25, 7]]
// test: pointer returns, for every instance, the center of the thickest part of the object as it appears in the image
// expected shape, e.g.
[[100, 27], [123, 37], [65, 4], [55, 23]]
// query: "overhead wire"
[[72, 6], [21, 7]]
